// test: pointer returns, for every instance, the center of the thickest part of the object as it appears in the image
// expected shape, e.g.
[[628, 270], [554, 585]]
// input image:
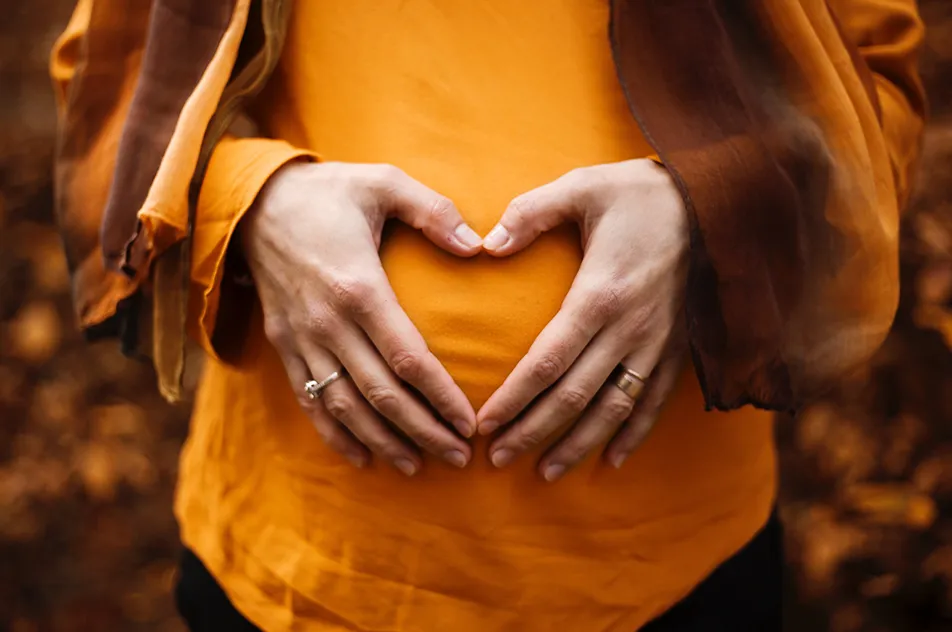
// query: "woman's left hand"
[[623, 308]]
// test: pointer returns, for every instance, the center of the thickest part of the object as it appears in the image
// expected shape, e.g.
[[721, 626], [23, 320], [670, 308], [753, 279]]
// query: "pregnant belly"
[[479, 316]]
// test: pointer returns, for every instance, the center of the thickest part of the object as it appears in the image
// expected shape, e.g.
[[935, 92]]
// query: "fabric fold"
[[239, 168], [792, 197]]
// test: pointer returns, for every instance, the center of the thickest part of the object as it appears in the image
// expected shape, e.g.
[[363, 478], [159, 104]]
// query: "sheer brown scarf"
[[793, 275]]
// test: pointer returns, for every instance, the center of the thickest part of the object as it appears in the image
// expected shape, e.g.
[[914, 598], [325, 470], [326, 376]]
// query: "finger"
[[392, 400], [603, 419], [405, 352], [345, 403], [606, 415], [423, 208], [549, 357], [535, 212], [647, 410], [334, 435], [562, 405]]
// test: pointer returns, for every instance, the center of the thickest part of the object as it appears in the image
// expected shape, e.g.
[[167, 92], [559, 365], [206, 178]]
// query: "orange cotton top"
[[480, 101]]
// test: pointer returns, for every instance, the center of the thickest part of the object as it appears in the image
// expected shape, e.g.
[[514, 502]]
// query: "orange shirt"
[[480, 101]]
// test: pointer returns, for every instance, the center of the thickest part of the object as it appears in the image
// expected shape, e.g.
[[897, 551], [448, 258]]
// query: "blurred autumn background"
[[88, 449]]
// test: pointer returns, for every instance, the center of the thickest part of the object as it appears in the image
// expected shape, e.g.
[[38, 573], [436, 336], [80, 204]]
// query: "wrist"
[[256, 214]]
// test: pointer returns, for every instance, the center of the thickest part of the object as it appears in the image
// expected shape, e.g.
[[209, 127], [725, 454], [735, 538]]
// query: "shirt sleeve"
[[794, 151], [133, 116], [888, 35], [218, 304], [66, 51]]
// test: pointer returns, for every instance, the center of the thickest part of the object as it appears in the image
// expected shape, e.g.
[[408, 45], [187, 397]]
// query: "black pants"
[[742, 595]]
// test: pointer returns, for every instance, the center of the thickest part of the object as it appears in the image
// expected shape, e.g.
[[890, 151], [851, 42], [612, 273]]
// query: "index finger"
[[406, 353], [549, 357]]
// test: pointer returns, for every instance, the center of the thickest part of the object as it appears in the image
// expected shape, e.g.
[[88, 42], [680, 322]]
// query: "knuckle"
[[338, 405], [548, 369], [335, 441], [578, 180], [650, 423], [630, 438], [384, 399], [380, 445], [407, 365], [308, 405], [383, 442], [529, 438], [325, 432], [641, 317], [609, 301], [388, 175], [390, 452], [326, 436], [575, 177], [425, 438], [317, 322], [617, 409], [441, 399], [572, 400], [440, 210], [624, 443], [571, 452], [605, 303], [648, 417], [640, 425], [277, 331], [520, 209], [353, 294]]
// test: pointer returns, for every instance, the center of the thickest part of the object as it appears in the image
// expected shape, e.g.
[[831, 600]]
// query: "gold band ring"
[[629, 381]]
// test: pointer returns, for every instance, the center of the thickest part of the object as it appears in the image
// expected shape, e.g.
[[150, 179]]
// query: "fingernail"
[[358, 460], [406, 466], [553, 472], [488, 427], [455, 457], [618, 460], [467, 236], [501, 458], [497, 238], [464, 428]]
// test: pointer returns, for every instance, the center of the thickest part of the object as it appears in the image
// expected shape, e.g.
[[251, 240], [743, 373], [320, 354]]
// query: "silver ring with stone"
[[315, 389]]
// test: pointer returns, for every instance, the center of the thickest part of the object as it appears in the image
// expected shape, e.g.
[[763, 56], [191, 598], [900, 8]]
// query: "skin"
[[623, 308], [327, 303]]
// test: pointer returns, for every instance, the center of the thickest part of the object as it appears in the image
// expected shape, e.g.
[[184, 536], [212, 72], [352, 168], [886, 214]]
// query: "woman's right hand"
[[311, 241]]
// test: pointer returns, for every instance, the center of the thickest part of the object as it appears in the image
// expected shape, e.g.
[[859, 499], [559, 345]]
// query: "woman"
[[463, 387]]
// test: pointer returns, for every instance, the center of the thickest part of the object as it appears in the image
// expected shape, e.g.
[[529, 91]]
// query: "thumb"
[[531, 214], [423, 208]]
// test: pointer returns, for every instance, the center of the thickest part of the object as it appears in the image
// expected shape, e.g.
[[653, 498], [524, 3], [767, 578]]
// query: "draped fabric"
[[791, 147], [794, 208]]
